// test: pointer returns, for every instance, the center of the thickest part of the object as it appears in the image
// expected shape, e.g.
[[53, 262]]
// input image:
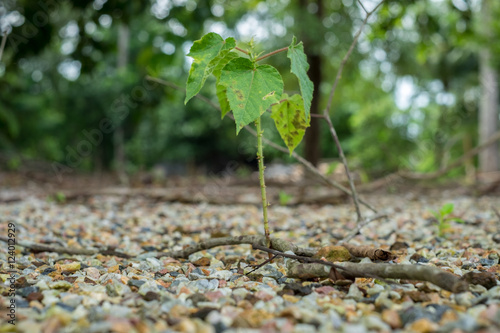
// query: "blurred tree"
[[489, 159]]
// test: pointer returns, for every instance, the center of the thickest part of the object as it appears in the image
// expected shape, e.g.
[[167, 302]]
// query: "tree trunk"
[[312, 136], [488, 108], [312, 147], [118, 135]]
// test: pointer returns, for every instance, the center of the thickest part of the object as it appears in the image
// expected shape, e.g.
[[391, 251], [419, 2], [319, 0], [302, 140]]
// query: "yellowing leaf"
[[290, 120]]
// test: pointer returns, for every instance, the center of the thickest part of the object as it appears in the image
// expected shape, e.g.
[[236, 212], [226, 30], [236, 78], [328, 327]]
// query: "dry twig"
[[326, 111]]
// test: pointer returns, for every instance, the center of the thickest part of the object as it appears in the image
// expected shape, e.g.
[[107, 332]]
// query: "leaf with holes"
[[251, 89], [207, 53], [290, 120], [299, 67]]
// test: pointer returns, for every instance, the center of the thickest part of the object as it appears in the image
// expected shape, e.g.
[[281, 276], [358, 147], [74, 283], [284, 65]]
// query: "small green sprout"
[[284, 198], [444, 218]]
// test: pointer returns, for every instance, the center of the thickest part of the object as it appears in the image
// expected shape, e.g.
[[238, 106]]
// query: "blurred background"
[[419, 90]]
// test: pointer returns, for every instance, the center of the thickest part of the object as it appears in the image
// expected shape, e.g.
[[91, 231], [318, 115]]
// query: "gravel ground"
[[210, 291]]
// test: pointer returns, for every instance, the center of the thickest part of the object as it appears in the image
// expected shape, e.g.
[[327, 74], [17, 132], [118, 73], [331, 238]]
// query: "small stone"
[[151, 296], [116, 288], [291, 299], [487, 262], [148, 286], [423, 325], [391, 317], [24, 292], [36, 296], [496, 237], [399, 246], [69, 268], [325, 290], [114, 269], [355, 293], [465, 299], [60, 285], [92, 273], [135, 283], [263, 295], [374, 322], [203, 261]]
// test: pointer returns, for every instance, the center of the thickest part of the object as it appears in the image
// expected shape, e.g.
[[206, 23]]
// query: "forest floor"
[[212, 290]]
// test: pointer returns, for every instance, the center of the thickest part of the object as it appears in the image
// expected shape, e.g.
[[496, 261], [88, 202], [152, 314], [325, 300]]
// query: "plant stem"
[[241, 50], [260, 158], [272, 53]]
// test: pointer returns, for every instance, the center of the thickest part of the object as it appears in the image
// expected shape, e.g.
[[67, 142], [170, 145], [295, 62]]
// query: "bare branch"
[[2, 45], [326, 111], [36, 247], [356, 231]]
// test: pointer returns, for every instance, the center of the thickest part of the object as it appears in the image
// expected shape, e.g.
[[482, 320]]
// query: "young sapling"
[[247, 89]]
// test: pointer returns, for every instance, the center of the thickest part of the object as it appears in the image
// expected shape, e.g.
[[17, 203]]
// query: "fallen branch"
[[367, 251], [440, 278], [37, 248], [276, 243], [319, 268], [299, 158]]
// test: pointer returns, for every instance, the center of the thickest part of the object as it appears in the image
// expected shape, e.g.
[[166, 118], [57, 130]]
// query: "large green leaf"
[[251, 89], [221, 90], [207, 53], [299, 67], [291, 120]]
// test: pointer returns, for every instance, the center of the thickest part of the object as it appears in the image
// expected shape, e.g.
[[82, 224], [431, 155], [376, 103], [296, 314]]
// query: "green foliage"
[[299, 67], [251, 89], [248, 89], [443, 218], [207, 53]]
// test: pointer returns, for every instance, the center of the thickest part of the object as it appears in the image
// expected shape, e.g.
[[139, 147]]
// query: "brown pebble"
[[204, 261], [36, 296], [485, 279]]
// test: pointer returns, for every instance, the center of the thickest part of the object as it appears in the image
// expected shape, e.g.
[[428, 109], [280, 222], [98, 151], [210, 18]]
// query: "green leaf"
[[290, 120], [207, 53], [221, 92], [299, 67], [251, 89], [446, 209]]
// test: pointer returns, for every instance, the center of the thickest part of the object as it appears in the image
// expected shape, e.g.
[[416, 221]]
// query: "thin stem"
[[346, 167], [2, 46], [260, 158], [326, 112], [272, 53], [241, 50]]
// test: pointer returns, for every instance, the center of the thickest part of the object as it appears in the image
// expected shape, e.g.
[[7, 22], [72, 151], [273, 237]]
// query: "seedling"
[[247, 89], [444, 218]]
